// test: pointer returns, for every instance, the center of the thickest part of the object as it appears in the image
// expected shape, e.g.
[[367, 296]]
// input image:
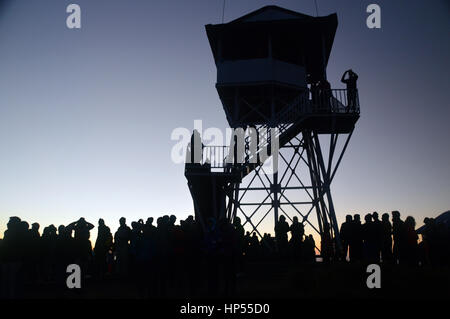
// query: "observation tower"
[[292, 129]]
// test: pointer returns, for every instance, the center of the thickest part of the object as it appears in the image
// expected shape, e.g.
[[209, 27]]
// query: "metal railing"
[[309, 102], [334, 101], [330, 101], [215, 155]]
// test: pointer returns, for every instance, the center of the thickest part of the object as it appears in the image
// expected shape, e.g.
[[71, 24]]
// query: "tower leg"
[[274, 189]]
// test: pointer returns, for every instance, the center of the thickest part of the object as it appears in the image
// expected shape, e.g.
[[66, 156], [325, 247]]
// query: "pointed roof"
[[269, 13]]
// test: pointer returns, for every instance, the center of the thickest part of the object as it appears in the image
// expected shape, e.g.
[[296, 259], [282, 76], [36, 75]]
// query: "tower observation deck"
[[272, 82]]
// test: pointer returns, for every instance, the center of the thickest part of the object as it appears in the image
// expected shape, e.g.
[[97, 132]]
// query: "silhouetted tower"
[[271, 79]]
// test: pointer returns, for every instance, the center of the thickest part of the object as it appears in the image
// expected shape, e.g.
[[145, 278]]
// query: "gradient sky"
[[86, 115]]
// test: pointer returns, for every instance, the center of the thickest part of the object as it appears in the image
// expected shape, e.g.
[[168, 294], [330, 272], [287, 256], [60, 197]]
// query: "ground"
[[282, 279]]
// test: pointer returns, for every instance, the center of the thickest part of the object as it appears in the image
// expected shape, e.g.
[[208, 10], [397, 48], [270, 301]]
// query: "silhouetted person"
[[103, 245], [356, 240], [281, 230], [346, 235], [121, 246], [324, 95], [326, 244], [195, 149], [410, 245], [430, 242], [162, 257], [212, 246], [378, 236], [135, 240], [240, 233], [349, 78], [310, 249], [146, 258], [149, 227], [138, 256], [398, 233], [49, 244], [254, 248], [83, 245], [227, 256], [297, 231], [13, 253], [66, 253], [34, 231], [247, 244], [35, 252], [315, 91], [386, 239], [370, 238], [177, 254], [194, 254]]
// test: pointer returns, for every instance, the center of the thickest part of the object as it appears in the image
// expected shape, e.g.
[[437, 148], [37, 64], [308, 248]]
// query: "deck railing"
[[319, 101], [215, 155], [310, 102]]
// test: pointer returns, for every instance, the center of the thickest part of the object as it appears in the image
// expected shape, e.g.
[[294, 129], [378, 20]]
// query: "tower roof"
[[315, 33], [271, 12]]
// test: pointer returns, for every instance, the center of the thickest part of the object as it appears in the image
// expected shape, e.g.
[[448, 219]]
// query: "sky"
[[86, 115]]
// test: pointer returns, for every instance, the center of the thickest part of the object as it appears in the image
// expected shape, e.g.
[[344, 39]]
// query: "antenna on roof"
[[317, 9], [223, 10]]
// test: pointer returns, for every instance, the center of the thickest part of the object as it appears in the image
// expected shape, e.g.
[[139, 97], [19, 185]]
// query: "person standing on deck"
[[350, 81]]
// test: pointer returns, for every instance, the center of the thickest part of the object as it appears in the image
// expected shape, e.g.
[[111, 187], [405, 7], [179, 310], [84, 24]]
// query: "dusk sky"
[[86, 115]]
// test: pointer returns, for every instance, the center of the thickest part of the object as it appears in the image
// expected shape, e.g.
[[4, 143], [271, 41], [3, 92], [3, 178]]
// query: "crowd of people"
[[166, 255], [155, 257], [395, 242]]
